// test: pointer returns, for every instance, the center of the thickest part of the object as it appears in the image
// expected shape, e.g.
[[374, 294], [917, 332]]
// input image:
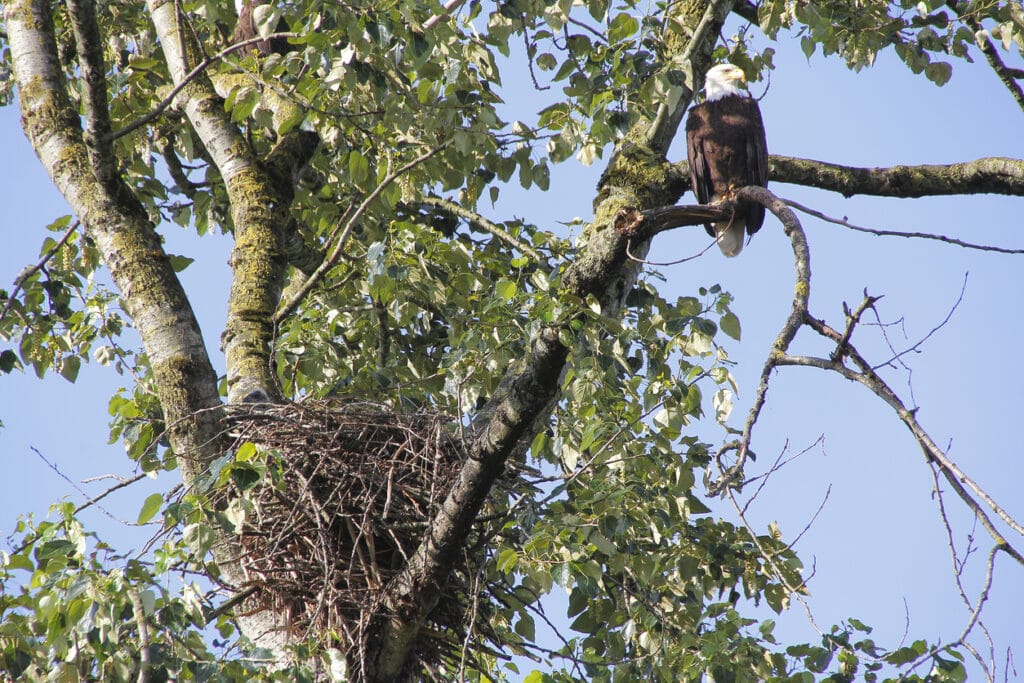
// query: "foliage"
[[424, 309]]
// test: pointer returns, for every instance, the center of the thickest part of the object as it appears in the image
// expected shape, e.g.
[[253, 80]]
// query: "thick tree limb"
[[257, 260], [94, 94], [637, 176], [128, 242], [988, 175]]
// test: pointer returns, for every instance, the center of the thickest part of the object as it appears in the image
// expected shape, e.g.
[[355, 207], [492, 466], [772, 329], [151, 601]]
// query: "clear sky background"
[[878, 547]]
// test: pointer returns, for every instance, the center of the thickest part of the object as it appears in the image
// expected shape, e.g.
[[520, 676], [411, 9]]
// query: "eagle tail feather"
[[730, 235]]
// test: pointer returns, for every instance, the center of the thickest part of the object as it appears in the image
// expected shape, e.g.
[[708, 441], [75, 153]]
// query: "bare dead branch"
[[953, 474], [896, 233]]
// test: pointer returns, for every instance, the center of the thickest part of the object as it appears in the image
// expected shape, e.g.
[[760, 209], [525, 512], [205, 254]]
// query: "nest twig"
[[349, 491]]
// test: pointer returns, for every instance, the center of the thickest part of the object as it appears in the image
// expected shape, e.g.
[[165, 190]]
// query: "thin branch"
[[922, 340], [1005, 74], [436, 19], [28, 272], [895, 233], [484, 224], [288, 307], [191, 76]]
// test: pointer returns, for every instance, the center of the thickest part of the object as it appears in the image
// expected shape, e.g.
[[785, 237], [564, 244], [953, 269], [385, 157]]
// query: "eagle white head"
[[723, 80]]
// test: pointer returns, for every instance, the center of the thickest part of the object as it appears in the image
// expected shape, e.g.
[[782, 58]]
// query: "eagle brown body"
[[246, 29], [726, 148]]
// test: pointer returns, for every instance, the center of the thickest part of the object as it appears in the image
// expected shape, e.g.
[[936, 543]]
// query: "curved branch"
[[797, 315]]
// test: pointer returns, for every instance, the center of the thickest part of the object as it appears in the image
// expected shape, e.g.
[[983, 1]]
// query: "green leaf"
[[179, 263], [730, 324], [69, 366], [939, 73], [150, 507]]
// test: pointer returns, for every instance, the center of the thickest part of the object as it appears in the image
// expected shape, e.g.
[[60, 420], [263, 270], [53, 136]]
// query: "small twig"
[[935, 329], [851, 322], [28, 272], [895, 233]]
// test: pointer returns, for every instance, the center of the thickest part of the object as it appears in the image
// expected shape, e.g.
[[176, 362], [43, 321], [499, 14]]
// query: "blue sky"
[[878, 546]]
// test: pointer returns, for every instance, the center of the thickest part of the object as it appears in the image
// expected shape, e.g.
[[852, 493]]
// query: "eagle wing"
[[700, 172], [757, 163]]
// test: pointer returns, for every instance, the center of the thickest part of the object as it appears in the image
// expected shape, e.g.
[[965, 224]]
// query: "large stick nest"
[[349, 490]]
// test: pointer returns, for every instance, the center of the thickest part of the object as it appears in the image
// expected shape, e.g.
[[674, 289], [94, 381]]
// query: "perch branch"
[[988, 175]]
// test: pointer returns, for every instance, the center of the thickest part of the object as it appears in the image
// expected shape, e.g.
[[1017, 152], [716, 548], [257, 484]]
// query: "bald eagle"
[[726, 148]]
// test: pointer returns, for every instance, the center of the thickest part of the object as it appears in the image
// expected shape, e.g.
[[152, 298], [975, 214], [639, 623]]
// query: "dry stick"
[[956, 477], [895, 233], [189, 77], [32, 270], [958, 574], [289, 306]]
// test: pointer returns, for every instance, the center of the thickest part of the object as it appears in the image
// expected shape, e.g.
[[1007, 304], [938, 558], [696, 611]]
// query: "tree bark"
[[638, 176]]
